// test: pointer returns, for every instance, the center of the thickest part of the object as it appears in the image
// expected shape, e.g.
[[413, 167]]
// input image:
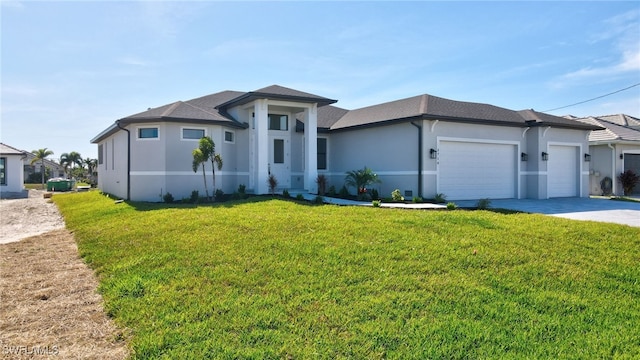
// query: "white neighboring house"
[[423, 145], [613, 150], [55, 170], [11, 172]]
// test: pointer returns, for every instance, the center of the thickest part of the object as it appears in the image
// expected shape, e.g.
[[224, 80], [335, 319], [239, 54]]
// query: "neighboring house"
[[11, 174], [613, 150], [423, 145], [55, 170]]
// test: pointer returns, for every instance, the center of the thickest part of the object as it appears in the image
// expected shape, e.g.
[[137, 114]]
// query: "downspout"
[[128, 159], [613, 168], [419, 127]]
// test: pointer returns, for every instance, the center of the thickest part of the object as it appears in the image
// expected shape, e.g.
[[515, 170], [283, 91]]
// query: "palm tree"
[[199, 157], [360, 179], [208, 149], [91, 164], [70, 160], [40, 155]]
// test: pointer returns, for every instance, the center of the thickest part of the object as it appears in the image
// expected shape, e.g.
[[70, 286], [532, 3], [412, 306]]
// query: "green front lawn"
[[268, 278]]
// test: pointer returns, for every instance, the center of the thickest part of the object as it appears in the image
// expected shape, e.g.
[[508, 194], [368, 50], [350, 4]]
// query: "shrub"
[[344, 193], [417, 199], [194, 196], [242, 189], [219, 195], [285, 193], [483, 204], [168, 198], [629, 180], [375, 195], [440, 198], [375, 203], [396, 195], [319, 200], [321, 180], [299, 197], [360, 179], [332, 191], [273, 183], [451, 206]]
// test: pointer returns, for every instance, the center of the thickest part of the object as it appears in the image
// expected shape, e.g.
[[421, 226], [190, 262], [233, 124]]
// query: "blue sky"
[[70, 69]]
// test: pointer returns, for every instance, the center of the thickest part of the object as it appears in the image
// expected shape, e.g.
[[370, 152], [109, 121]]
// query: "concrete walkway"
[[593, 209]]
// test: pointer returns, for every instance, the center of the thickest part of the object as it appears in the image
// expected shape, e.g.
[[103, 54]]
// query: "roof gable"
[[277, 92], [610, 131], [10, 150]]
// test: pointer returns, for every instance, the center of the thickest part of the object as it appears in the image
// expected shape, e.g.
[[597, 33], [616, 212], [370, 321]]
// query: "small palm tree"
[[41, 155], [360, 179], [200, 158], [208, 148]]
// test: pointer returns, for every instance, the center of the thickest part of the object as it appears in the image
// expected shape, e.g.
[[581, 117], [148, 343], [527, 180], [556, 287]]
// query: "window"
[[192, 134], [229, 136], [322, 154], [278, 151], [3, 171], [100, 154], [148, 133], [278, 122]]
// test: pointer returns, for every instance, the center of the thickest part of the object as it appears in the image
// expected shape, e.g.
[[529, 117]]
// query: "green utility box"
[[60, 185]]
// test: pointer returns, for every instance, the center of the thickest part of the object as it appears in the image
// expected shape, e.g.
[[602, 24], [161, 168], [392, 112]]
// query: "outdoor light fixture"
[[524, 157], [587, 157], [545, 156], [433, 153], [621, 156]]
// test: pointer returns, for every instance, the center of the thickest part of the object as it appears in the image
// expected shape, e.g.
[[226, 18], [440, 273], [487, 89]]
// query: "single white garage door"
[[563, 171], [469, 170]]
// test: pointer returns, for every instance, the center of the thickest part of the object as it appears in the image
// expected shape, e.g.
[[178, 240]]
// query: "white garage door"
[[563, 171], [470, 170]]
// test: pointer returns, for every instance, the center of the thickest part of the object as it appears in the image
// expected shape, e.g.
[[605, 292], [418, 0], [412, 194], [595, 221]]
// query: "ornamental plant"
[[360, 179], [629, 180]]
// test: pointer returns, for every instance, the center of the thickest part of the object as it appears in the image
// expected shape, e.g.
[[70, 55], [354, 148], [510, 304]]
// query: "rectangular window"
[[148, 133], [278, 122], [229, 136], [100, 155], [322, 154], [278, 151], [3, 171], [192, 134]]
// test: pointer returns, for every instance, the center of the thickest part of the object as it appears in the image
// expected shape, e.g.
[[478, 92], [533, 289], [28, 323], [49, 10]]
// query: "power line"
[[595, 98]]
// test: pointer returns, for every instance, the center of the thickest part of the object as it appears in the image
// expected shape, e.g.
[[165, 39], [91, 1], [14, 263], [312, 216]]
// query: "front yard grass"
[[268, 278]]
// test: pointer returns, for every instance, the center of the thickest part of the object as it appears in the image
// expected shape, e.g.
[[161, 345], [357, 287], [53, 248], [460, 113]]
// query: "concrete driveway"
[[594, 209]]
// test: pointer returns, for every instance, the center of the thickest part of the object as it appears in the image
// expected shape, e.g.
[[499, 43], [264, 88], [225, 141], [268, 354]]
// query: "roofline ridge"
[[171, 108]]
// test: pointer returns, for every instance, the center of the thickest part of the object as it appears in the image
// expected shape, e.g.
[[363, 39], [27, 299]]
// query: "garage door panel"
[[469, 170], [563, 171]]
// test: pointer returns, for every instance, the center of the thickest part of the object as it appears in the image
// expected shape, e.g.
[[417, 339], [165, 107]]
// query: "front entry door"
[[280, 160]]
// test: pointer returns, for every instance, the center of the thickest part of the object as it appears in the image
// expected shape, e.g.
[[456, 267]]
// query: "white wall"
[[14, 174]]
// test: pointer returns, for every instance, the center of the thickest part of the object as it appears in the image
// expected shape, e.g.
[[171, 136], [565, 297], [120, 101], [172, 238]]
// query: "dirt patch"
[[21, 218], [49, 306]]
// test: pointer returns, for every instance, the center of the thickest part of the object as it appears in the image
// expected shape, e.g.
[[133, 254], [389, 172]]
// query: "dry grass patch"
[[49, 305]]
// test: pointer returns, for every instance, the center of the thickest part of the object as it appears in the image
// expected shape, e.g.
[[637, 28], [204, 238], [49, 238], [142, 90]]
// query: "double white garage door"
[[472, 170]]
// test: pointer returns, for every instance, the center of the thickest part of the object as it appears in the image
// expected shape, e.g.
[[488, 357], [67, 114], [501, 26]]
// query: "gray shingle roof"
[[621, 119], [433, 107], [277, 92]]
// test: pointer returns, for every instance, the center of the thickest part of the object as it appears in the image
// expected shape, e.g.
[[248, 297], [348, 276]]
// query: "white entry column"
[[261, 175], [311, 148]]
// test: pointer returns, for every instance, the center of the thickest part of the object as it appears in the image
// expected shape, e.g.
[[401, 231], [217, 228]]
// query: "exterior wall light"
[[587, 157], [545, 156], [524, 157], [433, 153], [621, 156]]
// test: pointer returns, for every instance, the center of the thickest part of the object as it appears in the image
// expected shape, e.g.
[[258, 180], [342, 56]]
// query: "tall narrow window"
[[100, 155], [278, 151], [278, 122], [322, 154], [3, 171]]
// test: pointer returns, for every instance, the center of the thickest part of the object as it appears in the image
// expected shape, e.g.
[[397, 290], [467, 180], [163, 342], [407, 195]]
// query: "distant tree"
[[41, 155], [91, 165], [70, 160]]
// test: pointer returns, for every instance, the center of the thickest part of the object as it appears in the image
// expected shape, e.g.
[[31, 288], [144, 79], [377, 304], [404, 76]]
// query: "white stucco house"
[[613, 150], [422, 145], [11, 172]]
